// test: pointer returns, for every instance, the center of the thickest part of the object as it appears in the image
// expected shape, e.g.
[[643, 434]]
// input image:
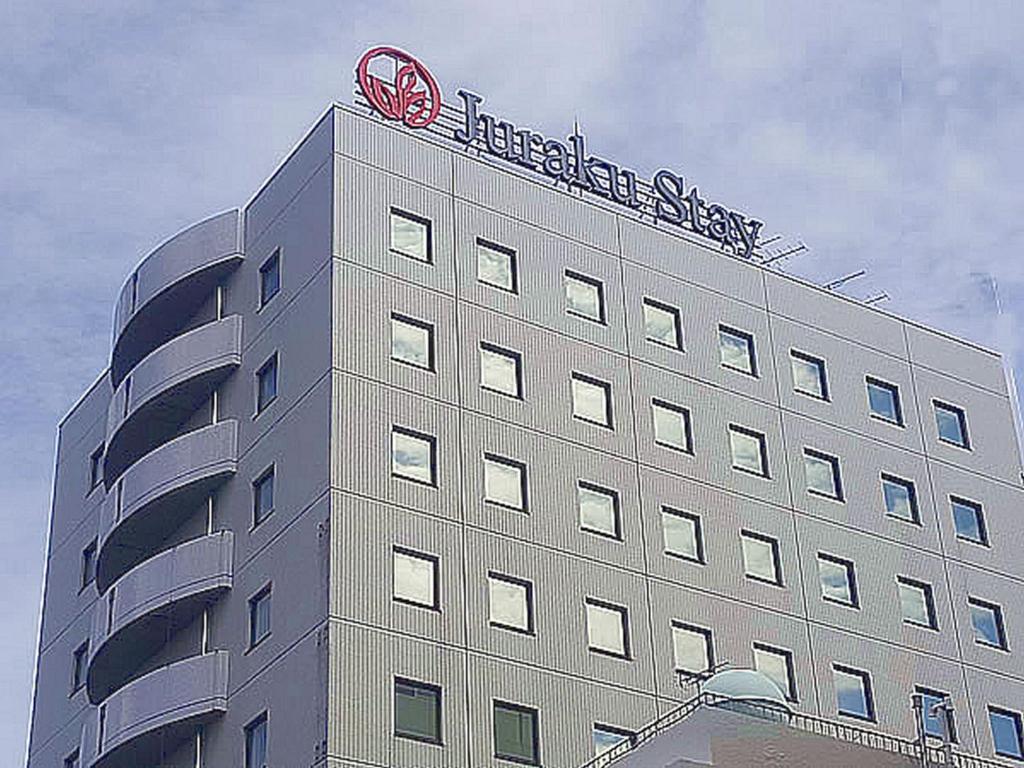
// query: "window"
[[266, 384], [591, 400], [584, 297], [515, 733], [853, 692], [761, 557], [415, 578], [838, 583], [504, 482], [607, 628], [682, 534], [501, 370], [412, 342], [511, 603], [932, 713], [736, 350], [417, 711], [410, 236], [605, 737], [952, 424], [496, 266], [259, 616], [72, 760], [808, 375], [672, 426], [599, 510], [412, 455], [662, 325], [79, 661], [749, 453], [88, 574], [256, 743], [968, 520], [917, 605], [1006, 732], [777, 665], [884, 401], [263, 497], [692, 648], [270, 277], [96, 468], [822, 473], [987, 620], [900, 498]]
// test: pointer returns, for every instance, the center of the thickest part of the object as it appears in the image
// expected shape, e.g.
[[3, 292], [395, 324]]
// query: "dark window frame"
[[926, 692], [272, 264], [423, 325], [79, 667], [416, 219], [929, 600], [616, 509], [513, 261], [961, 417], [1018, 723], [510, 354], [87, 571], [593, 282], [819, 363], [271, 363], [96, 468], [435, 562], [431, 440], [625, 733], [698, 534], [269, 473], [524, 494], [792, 694], [866, 687], [623, 611], [687, 425], [709, 645], [851, 580], [762, 442], [419, 686], [837, 475], [778, 581], [263, 593], [677, 323], [534, 716], [997, 614], [262, 719], [911, 487], [892, 389], [979, 515], [736, 333], [606, 386], [530, 620]]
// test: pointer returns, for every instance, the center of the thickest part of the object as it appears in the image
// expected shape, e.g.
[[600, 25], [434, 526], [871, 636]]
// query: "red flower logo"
[[400, 100]]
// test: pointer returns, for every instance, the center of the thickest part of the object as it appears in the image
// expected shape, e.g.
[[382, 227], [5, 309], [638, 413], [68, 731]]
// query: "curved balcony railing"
[[165, 388], [166, 591], [170, 284], [158, 493], [131, 728]]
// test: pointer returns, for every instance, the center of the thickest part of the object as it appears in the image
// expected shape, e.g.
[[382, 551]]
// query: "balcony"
[[158, 493], [151, 715], [169, 286], [163, 592], [165, 388]]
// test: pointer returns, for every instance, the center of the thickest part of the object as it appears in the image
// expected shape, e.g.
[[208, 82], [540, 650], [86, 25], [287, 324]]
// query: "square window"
[[672, 426], [259, 616], [72, 760], [79, 661], [412, 456], [884, 401], [749, 453], [969, 521], [900, 498], [256, 743], [987, 620], [266, 384], [933, 713], [410, 236], [692, 648], [838, 582], [599, 510], [662, 324], [682, 534], [584, 297], [822, 472], [417, 711], [1007, 737], [263, 497], [415, 578], [501, 370], [591, 400], [88, 574], [761, 557], [952, 424], [808, 375], [736, 350], [96, 468], [511, 603], [515, 733], [270, 277], [605, 737], [504, 482], [496, 266], [853, 693], [412, 342], [777, 665], [607, 628], [917, 605]]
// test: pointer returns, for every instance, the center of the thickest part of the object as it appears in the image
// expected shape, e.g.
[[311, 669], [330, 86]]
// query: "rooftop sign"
[[412, 97]]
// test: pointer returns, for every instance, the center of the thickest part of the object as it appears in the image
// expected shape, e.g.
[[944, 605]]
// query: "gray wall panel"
[[953, 357], [988, 689], [967, 582]]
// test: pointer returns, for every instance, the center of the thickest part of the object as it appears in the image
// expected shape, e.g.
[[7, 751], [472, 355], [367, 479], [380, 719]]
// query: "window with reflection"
[[692, 648], [607, 628], [736, 350], [749, 452], [584, 297], [808, 375], [838, 583], [414, 578], [412, 342], [511, 602], [662, 324], [496, 266], [884, 401], [501, 370], [672, 426], [505, 482], [917, 604], [853, 692], [598, 509], [682, 534], [761, 557], [410, 235], [591, 400], [900, 498], [412, 456], [951, 422]]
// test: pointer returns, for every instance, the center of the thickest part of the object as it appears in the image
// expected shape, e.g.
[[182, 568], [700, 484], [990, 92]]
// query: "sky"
[[884, 135]]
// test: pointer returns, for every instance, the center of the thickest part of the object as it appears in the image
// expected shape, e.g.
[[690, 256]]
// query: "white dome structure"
[[746, 685]]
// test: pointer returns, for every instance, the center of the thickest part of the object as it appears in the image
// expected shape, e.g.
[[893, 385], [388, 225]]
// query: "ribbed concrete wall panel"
[[955, 358], [987, 689], [967, 582]]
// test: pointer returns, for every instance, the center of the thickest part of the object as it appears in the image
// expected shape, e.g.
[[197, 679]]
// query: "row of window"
[[584, 297]]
